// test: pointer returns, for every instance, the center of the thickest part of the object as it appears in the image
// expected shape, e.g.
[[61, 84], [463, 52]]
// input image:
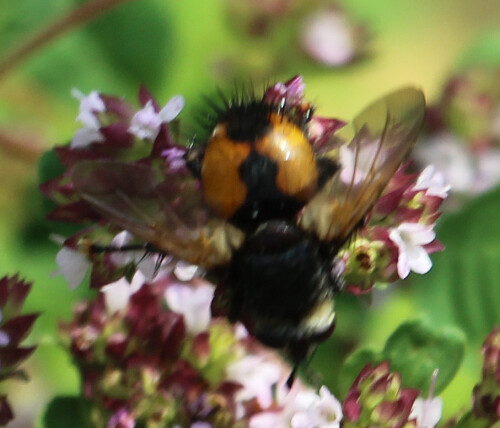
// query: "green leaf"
[[49, 166], [463, 287], [354, 364], [416, 349], [67, 412], [137, 38]]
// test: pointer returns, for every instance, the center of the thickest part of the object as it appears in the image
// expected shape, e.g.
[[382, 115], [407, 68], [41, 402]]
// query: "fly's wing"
[[383, 135], [163, 208]]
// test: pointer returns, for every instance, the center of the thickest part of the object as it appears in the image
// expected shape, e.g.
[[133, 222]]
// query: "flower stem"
[[22, 147], [73, 19]]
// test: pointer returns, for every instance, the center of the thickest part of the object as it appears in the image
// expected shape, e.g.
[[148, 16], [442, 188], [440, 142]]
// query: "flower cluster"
[[464, 131], [14, 327], [150, 355], [148, 349], [112, 130], [377, 399], [399, 236], [487, 392]]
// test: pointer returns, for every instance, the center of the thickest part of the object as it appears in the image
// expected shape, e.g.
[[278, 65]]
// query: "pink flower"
[[316, 410], [292, 91], [449, 155], [377, 398], [329, 38], [433, 182], [90, 106], [321, 129], [410, 239], [427, 411], [175, 158], [117, 294], [121, 419], [145, 124], [193, 302], [258, 375], [268, 419]]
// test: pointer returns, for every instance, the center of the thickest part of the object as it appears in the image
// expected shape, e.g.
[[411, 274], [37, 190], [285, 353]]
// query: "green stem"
[[73, 19]]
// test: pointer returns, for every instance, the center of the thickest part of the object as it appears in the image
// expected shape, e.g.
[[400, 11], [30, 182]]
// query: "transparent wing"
[[163, 208], [382, 136]]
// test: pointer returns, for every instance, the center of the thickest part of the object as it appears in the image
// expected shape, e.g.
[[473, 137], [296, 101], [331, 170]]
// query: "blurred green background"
[[190, 47]]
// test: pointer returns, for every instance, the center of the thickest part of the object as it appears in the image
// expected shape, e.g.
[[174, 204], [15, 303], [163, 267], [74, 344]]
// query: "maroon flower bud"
[[487, 392], [377, 399], [6, 414], [14, 327]]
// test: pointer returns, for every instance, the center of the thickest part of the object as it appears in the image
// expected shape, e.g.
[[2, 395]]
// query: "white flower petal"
[[145, 124], [433, 182], [449, 155], [266, 420], [193, 303], [117, 295], [427, 412], [416, 233], [138, 281], [419, 260], [73, 266], [257, 375], [90, 105], [403, 265], [85, 136], [172, 109], [410, 239], [310, 409], [185, 271]]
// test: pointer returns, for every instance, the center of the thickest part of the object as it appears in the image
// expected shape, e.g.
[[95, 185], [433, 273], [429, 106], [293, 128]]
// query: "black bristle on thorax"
[[248, 121], [246, 113]]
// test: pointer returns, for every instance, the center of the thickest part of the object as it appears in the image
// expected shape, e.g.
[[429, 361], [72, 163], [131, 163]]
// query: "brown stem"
[[76, 17], [23, 147]]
